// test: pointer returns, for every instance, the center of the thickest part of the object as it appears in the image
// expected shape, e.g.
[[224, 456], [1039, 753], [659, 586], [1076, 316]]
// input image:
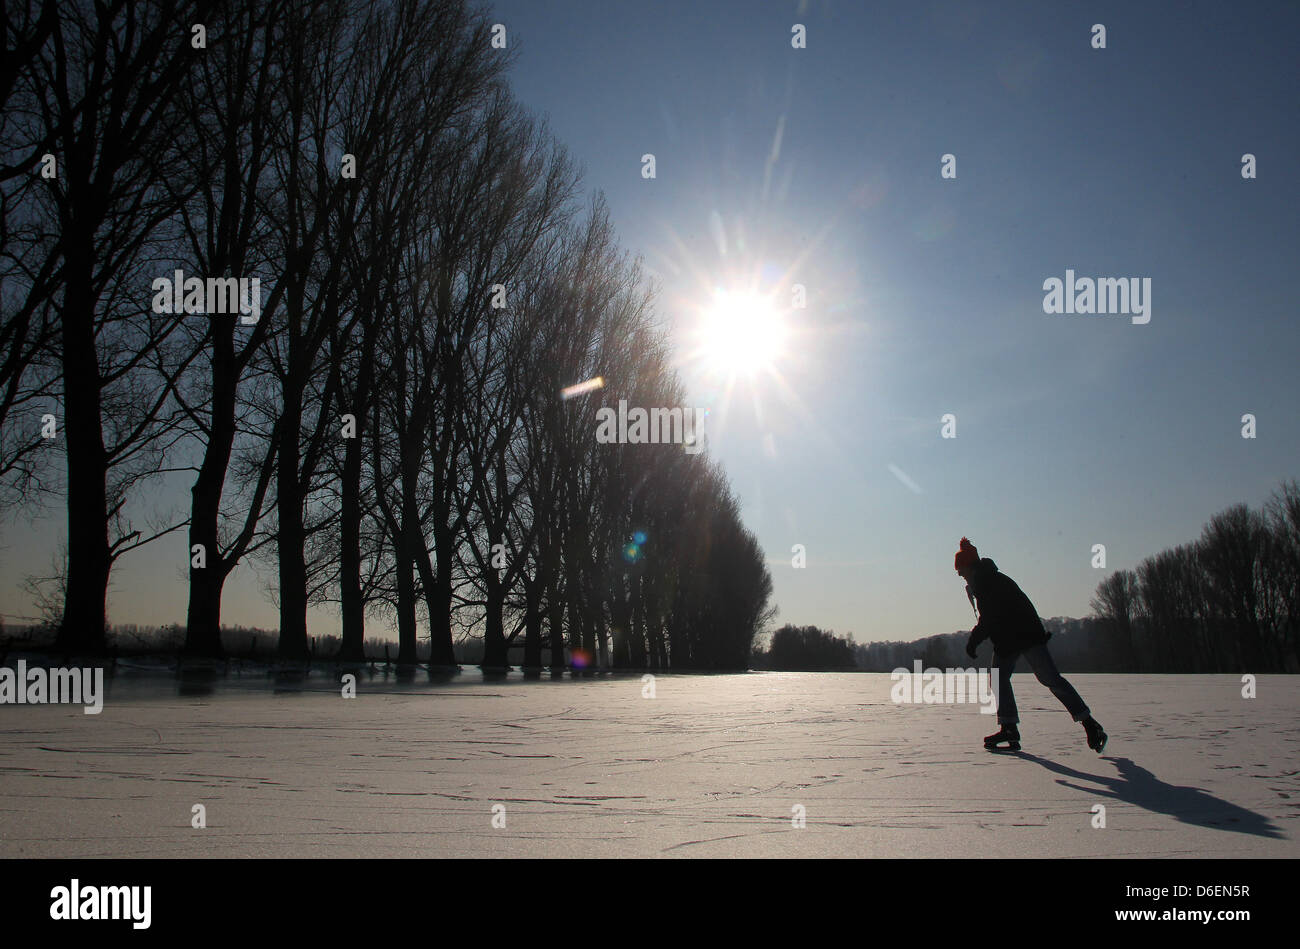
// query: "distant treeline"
[[1226, 602], [805, 648], [1078, 645], [391, 291]]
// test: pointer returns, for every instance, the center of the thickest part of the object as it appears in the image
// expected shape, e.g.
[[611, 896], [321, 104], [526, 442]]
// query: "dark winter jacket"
[[1006, 615]]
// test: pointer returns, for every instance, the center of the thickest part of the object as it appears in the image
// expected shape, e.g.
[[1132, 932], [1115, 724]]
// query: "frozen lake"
[[711, 766]]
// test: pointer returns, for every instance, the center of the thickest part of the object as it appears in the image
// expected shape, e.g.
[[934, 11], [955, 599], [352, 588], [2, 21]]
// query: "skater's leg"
[[1040, 660], [1005, 665]]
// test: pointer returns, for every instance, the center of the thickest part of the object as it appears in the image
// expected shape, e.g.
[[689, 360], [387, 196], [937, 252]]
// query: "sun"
[[741, 333]]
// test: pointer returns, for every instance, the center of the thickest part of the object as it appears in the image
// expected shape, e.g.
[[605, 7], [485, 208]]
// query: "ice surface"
[[711, 766]]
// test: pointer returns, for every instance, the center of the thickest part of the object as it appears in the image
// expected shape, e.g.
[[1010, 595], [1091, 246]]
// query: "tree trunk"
[[203, 615], [292, 535], [622, 618], [532, 624], [406, 631], [442, 649], [352, 647], [636, 641], [89, 555], [494, 639], [555, 624]]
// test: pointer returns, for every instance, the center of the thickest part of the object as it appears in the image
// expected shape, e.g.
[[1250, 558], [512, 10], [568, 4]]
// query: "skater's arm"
[[980, 632]]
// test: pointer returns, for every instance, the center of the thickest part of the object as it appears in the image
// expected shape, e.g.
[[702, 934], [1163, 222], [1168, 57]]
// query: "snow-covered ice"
[[711, 766]]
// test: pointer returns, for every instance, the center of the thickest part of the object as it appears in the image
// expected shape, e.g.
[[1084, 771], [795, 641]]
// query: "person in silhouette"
[[1007, 617]]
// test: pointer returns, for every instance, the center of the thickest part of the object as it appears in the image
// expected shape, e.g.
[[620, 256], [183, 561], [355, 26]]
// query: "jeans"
[[1040, 661]]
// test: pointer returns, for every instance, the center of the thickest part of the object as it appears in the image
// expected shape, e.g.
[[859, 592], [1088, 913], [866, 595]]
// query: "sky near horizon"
[[821, 166]]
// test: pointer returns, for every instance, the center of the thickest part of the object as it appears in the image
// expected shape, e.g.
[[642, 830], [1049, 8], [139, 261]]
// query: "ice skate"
[[1008, 735]]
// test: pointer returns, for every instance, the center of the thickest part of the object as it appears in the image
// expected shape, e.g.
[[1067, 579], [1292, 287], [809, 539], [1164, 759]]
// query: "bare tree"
[[1116, 602], [105, 83], [233, 99], [49, 593], [1283, 515], [1232, 548], [29, 258]]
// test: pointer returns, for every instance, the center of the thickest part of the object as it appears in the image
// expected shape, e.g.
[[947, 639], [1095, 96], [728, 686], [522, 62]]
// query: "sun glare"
[[741, 333]]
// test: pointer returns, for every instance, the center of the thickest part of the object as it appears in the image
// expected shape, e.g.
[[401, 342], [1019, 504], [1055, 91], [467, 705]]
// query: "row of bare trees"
[[389, 434], [1226, 602]]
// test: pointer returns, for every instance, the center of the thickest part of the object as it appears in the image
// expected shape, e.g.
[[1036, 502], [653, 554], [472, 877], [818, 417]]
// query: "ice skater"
[[1007, 617]]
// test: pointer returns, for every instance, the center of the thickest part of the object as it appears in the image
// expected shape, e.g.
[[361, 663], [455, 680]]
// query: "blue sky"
[[925, 294]]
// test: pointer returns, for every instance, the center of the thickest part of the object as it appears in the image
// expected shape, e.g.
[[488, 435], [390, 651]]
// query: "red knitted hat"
[[967, 556]]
